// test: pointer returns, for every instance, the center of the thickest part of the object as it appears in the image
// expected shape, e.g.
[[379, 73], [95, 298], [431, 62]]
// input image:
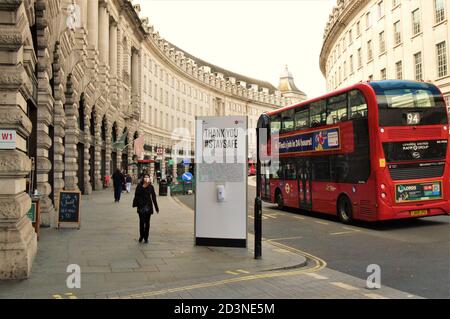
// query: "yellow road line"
[[243, 271], [320, 264], [375, 296], [57, 296], [344, 286], [231, 272]]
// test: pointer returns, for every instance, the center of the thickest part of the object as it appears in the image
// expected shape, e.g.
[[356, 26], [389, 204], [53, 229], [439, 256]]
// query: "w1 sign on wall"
[[221, 181]]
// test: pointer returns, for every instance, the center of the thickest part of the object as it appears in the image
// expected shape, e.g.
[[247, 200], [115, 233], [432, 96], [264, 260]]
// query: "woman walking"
[[144, 199]]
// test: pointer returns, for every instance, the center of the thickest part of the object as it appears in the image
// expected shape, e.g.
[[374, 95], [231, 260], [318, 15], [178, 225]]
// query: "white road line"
[[316, 276], [343, 232], [343, 286], [320, 222]]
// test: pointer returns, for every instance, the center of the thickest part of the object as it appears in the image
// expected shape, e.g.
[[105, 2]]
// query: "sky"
[[256, 38]]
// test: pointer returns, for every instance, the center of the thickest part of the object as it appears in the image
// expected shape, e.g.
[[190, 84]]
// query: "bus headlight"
[[383, 195], [383, 187]]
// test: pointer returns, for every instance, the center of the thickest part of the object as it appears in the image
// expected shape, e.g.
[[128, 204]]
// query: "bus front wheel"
[[279, 198], [345, 210]]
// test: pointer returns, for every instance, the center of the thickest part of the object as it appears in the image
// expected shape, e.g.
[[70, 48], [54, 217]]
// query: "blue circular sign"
[[187, 177]]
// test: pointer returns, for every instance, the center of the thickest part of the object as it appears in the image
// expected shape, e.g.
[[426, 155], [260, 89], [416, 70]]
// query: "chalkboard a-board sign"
[[69, 207]]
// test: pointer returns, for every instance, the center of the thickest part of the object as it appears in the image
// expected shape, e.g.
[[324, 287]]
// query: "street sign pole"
[[258, 205]]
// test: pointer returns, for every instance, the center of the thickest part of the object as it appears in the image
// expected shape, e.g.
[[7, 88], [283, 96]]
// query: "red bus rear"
[[373, 151]]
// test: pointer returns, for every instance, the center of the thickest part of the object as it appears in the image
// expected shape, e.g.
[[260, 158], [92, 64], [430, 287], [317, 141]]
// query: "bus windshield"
[[409, 103]]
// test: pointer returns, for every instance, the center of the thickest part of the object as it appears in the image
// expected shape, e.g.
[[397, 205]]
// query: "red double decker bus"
[[373, 151]]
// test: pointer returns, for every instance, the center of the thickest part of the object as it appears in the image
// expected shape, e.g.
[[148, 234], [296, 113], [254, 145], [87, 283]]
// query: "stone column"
[[92, 16], [113, 48], [45, 118], [134, 73], [18, 243], [59, 122], [71, 138], [98, 153], [103, 32], [108, 148], [87, 154], [83, 11]]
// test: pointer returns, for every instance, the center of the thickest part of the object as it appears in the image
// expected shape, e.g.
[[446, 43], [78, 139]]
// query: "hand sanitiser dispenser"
[[220, 193]]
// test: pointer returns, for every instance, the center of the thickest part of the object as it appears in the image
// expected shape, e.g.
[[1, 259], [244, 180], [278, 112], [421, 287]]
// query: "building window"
[[397, 33], [418, 66], [359, 58], [382, 42], [441, 49], [380, 9], [350, 36], [351, 64], [383, 74], [439, 11], [345, 70], [358, 29], [369, 50], [399, 70], [370, 77], [395, 3], [417, 28], [368, 21]]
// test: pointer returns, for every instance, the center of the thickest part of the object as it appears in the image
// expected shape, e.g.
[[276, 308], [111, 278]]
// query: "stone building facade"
[[75, 76], [387, 39]]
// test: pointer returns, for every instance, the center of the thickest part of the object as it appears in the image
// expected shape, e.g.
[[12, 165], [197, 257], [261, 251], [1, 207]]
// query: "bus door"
[[265, 181], [304, 179]]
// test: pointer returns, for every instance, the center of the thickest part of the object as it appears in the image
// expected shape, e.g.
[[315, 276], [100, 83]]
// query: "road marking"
[[231, 272], [316, 276], [352, 229], [320, 222], [343, 286], [375, 296], [57, 296], [343, 233], [270, 215], [284, 238], [320, 264], [243, 271], [298, 217]]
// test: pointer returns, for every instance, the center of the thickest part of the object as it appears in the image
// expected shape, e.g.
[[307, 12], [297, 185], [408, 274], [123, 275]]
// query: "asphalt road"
[[414, 255]]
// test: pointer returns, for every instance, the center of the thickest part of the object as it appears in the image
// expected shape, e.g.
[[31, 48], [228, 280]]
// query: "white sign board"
[[8, 139], [221, 181]]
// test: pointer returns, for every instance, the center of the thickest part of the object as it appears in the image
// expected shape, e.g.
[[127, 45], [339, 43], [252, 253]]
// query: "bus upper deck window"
[[357, 104]]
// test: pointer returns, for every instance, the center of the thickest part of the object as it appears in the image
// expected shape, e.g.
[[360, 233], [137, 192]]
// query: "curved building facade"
[[387, 39], [80, 81]]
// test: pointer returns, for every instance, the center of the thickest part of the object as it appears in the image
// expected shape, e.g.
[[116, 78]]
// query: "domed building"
[[387, 39]]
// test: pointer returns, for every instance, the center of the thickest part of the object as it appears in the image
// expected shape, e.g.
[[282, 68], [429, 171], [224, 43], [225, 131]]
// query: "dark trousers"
[[144, 225], [117, 192]]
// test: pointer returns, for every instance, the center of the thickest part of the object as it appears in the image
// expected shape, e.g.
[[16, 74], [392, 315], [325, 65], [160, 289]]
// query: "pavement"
[[114, 264]]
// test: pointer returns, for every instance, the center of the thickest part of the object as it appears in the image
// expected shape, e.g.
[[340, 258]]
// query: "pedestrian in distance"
[[122, 175], [128, 181], [144, 200], [117, 184]]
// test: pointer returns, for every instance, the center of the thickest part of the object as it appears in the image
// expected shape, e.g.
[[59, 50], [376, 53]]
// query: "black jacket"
[[117, 179], [145, 196]]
